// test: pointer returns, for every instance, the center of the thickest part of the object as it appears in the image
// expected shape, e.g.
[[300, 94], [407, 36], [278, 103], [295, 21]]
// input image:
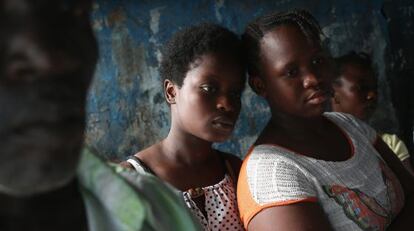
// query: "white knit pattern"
[[276, 174]]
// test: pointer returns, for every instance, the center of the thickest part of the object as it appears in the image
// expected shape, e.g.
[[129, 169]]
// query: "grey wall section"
[[126, 109], [400, 60]]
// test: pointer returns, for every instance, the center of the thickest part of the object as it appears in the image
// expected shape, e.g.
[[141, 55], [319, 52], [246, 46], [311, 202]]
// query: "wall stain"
[[116, 17], [126, 107]]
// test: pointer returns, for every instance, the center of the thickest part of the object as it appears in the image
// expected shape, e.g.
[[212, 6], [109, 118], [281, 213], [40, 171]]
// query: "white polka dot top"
[[220, 206], [220, 203]]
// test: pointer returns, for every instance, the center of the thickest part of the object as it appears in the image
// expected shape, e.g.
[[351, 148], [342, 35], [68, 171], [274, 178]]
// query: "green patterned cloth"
[[118, 199]]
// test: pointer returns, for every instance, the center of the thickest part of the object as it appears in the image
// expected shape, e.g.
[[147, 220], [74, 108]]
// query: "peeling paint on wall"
[[219, 4], [126, 110]]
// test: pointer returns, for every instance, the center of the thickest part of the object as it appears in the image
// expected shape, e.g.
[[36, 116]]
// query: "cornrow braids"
[[255, 31]]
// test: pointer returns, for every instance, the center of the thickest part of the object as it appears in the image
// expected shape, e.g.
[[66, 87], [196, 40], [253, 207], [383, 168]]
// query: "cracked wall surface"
[[126, 108]]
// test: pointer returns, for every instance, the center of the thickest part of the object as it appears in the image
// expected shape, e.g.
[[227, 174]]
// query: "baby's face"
[[47, 59], [356, 92]]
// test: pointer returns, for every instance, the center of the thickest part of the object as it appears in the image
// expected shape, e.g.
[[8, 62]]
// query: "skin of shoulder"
[[307, 216], [126, 164], [143, 155]]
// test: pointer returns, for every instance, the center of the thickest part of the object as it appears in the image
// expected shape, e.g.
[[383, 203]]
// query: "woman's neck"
[[296, 124], [186, 161], [186, 149], [290, 129]]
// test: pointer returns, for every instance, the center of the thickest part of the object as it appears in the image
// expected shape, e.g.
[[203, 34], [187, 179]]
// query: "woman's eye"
[[291, 73], [317, 61], [208, 88]]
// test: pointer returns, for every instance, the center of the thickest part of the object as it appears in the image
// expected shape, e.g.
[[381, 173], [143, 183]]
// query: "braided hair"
[[255, 31]]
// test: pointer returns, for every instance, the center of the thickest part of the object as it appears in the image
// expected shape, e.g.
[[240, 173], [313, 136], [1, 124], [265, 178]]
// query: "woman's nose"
[[225, 103], [310, 80]]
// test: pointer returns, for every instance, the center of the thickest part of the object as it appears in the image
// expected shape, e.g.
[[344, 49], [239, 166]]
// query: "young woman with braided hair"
[[310, 170]]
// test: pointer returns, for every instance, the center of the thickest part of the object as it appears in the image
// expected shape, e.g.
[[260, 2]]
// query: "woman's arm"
[[406, 179], [408, 166], [302, 216], [404, 220]]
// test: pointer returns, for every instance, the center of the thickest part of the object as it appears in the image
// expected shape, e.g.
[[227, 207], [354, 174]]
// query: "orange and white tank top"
[[360, 193]]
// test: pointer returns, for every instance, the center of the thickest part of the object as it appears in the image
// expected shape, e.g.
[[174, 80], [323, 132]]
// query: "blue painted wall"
[[126, 109]]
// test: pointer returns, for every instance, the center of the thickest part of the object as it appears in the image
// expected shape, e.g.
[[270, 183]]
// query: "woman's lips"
[[316, 97], [223, 123]]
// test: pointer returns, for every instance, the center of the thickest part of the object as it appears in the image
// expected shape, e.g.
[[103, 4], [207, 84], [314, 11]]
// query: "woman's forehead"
[[288, 37], [286, 43], [357, 73]]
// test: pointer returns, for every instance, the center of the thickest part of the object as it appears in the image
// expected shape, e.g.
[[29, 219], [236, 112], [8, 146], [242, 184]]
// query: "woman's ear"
[[258, 86], [335, 98], [169, 91]]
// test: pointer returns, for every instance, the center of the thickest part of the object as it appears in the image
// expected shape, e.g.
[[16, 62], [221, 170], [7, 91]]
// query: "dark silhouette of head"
[[48, 55], [355, 85]]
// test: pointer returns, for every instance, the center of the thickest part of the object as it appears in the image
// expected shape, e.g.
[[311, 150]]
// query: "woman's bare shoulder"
[[142, 155]]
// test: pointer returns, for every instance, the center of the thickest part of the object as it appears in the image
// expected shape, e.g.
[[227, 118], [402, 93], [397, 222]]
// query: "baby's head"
[[204, 74], [355, 86]]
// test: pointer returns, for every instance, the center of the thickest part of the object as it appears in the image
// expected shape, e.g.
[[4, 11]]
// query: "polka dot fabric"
[[220, 203], [220, 206]]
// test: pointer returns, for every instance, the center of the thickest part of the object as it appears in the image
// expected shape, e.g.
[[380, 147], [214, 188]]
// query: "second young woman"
[[310, 170], [203, 78]]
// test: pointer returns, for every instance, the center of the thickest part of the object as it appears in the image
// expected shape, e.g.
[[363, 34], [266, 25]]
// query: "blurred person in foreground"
[[47, 180]]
